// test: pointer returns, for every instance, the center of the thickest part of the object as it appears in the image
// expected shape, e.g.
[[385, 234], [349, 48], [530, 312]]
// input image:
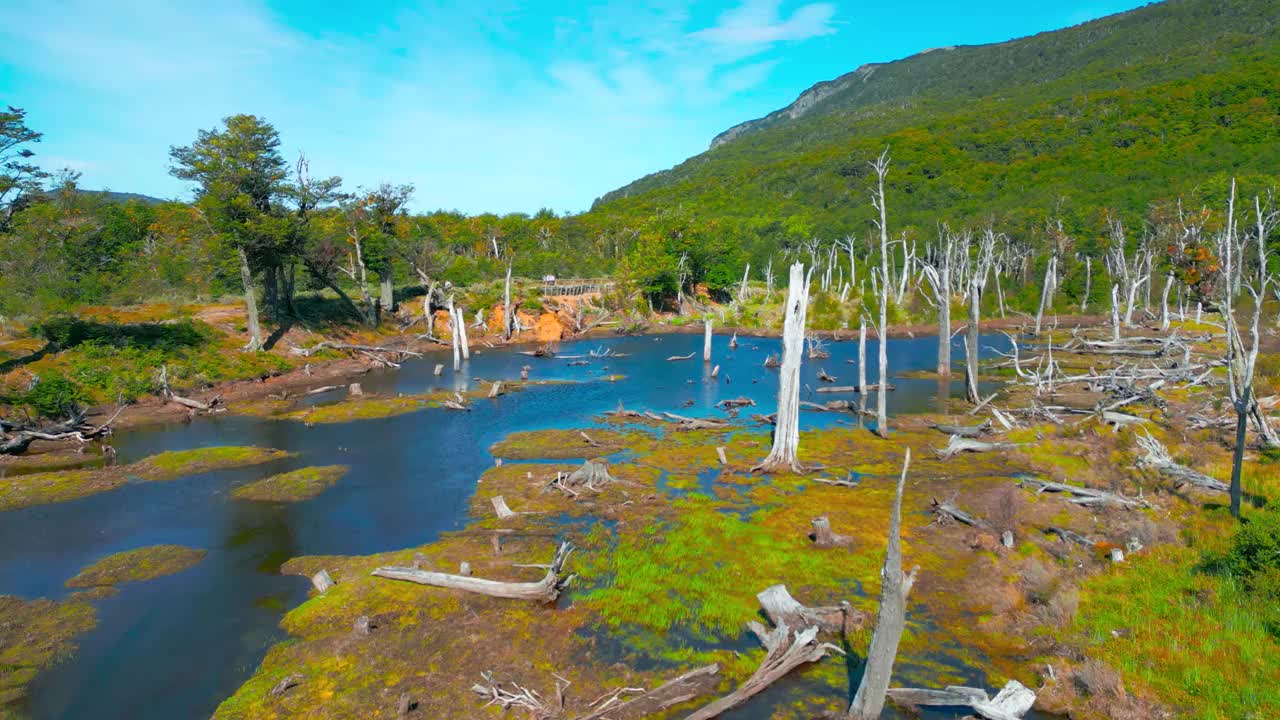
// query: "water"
[[176, 646]]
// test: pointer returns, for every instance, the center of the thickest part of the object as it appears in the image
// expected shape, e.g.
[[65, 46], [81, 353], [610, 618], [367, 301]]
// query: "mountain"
[[1117, 112]]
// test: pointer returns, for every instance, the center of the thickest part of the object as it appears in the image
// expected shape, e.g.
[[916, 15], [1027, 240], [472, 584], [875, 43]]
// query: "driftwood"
[[288, 681], [1083, 495], [964, 431], [674, 358], [1012, 702], [772, 361], [891, 617], [736, 403], [16, 438], [957, 445], [688, 423], [1158, 459], [824, 377], [500, 507], [874, 387], [675, 691], [823, 536], [545, 590]]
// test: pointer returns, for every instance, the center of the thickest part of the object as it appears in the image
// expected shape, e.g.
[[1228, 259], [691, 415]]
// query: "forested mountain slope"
[[1163, 101]]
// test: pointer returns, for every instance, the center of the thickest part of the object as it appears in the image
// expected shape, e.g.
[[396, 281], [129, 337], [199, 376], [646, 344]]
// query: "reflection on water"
[[176, 646]]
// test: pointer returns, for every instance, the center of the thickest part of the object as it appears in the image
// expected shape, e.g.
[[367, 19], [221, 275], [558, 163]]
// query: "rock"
[[549, 328]]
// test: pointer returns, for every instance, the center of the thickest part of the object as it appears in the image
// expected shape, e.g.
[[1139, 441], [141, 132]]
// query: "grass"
[[137, 565], [293, 486], [562, 444], [1197, 641], [178, 463]]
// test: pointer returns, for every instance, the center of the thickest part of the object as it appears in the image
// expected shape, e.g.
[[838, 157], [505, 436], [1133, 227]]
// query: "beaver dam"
[[596, 541]]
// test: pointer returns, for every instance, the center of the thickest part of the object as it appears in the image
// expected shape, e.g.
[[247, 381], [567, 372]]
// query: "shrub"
[[54, 396], [1254, 556]]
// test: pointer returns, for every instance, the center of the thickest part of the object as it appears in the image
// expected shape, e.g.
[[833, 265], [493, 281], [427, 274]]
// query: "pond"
[[177, 645]]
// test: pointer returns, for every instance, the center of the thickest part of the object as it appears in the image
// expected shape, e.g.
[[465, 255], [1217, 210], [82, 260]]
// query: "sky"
[[486, 105]]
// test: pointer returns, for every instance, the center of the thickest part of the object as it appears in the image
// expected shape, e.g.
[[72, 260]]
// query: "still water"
[[176, 646]]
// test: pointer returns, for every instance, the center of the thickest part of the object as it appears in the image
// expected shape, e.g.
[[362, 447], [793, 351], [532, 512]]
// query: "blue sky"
[[497, 106]]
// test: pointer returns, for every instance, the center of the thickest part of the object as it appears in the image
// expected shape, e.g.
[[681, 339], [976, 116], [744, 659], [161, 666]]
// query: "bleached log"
[[781, 608], [957, 445], [824, 377], [545, 590], [706, 341], [495, 389], [674, 358], [949, 510], [288, 681], [964, 431], [676, 691], [856, 388], [1158, 459], [1083, 495], [500, 507], [1070, 536], [786, 651], [322, 581], [891, 617], [1012, 702], [720, 454]]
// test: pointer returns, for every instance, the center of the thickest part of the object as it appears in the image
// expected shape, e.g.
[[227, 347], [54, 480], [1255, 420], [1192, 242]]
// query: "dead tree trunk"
[[250, 303], [454, 322], [786, 432], [387, 296], [786, 651], [675, 691], [706, 341], [824, 536], [506, 306], [881, 166], [862, 358], [986, 253], [891, 618], [1046, 290], [545, 590]]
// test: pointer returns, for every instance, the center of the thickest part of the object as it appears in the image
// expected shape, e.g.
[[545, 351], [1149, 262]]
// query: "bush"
[[54, 396], [1254, 556]]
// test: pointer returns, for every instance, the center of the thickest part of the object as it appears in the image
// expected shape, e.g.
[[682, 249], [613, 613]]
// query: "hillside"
[[1117, 112]]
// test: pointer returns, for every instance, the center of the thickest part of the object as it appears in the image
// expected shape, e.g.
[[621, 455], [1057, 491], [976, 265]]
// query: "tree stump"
[[824, 537]]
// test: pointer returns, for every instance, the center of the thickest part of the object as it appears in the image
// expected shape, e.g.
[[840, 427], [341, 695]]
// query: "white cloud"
[[759, 22]]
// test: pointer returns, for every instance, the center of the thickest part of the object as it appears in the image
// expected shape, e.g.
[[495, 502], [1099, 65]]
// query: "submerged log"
[[875, 387], [824, 377], [545, 590], [675, 691], [675, 358]]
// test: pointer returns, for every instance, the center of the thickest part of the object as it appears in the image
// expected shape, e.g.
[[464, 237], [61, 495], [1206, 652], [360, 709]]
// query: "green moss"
[[178, 463], [34, 634], [60, 486], [137, 565], [293, 486], [564, 444], [365, 407]]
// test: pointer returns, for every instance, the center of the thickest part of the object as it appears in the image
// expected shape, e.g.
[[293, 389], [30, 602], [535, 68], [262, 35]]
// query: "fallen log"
[[781, 608], [675, 691], [500, 507], [16, 438], [875, 387], [736, 403], [1012, 702], [948, 510], [1070, 536], [1082, 495], [545, 590], [674, 358], [1158, 459], [785, 651], [964, 431], [957, 445], [328, 344], [824, 377]]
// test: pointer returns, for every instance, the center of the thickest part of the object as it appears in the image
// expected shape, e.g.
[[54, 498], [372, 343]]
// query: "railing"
[[577, 287]]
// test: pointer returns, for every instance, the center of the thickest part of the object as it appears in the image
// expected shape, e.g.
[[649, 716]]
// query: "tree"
[[977, 284], [881, 167], [240, 177], [786, 429], [20, 180], [938, 269]]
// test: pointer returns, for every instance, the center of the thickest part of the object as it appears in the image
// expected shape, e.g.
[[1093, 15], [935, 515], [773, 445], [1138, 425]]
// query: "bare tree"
[[507, 315], [977, 283], [1242, 358], [937, 269], [881, 167], [786, 430]]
